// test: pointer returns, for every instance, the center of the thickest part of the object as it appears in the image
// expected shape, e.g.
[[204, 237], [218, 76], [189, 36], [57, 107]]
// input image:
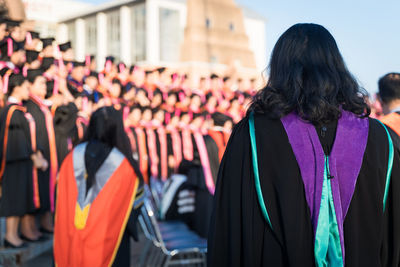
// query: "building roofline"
[[247, 12], [251, 13], [99, 8]]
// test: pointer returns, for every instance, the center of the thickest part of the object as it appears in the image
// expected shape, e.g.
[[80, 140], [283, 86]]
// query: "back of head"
[[15, 80], [308, 76], [389, 87], [106, 126]]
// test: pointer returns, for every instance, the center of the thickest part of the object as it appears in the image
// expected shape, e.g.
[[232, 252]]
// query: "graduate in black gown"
[[45, 139], [65, 129], [307, 178], [196, 188], [19, 160]]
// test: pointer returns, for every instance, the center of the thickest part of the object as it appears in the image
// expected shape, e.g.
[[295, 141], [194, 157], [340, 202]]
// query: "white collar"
[[13, 100], [397, 109]]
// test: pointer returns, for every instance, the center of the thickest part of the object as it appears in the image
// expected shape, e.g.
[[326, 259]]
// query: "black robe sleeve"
[[19, 143], [391, 226]]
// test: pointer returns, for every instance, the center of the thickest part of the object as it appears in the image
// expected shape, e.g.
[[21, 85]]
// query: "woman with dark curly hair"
[[307, 178]]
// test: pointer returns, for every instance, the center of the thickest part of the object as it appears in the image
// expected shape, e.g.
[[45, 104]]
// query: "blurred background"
[[197, 37], [240, 35]]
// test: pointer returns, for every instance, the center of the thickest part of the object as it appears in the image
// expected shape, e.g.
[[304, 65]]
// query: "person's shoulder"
[[264, 125], [31, 105], [377, 134]]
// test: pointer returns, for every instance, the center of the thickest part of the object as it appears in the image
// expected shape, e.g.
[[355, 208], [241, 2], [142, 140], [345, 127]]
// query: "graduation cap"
[[4, 70], [110, 58], [47, 62], [93, 74], [194, 95], [226, 78], [155, 110], [214, 76], [199, 115], [157, 92], [34, 35], [65, 46], [133, 107], [3, 20], [78, 64], [171, 93], [89, 59], [116, 81], [161, 70], [33, 73], [209, 95], [220, 119], [9, 46], [121, 67], [13, 23], [47, 42], [14, 81], [142, 90], [31, 55], [30, 35]]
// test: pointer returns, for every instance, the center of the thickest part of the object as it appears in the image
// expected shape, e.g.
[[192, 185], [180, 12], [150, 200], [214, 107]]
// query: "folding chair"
[[177, 246]]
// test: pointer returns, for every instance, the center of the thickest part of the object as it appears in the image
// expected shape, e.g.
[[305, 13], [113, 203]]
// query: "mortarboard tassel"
[[121, 67], [9, 47], [28, 38], [101, 78], [25, 71], [108, 66], [84, 103], [5, 81], [56, 86], [60, 60], [87, 63], [87, 60]]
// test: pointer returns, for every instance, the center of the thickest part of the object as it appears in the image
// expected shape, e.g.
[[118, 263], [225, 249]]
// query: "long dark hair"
[[307, 75], [106, 126]]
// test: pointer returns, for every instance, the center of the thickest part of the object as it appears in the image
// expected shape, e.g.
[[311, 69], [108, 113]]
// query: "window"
[[113, 34], [170, 36], [231, 27], [71, 33], [91, 36], [139, 33], [208, 23]]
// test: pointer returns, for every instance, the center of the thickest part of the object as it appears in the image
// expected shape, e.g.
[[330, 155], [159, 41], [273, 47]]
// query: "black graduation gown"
[[17, 184], [50, 88], [65, 129], [74, 87], [135, 145], [196, 182], [158, 148], [42, 141], [170, 152], [239, 234]]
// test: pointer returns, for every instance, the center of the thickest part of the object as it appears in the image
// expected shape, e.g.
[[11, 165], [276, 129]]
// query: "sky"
[[367, 32]]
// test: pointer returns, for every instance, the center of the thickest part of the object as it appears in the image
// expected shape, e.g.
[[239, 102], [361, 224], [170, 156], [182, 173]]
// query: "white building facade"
[[148, 32]]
